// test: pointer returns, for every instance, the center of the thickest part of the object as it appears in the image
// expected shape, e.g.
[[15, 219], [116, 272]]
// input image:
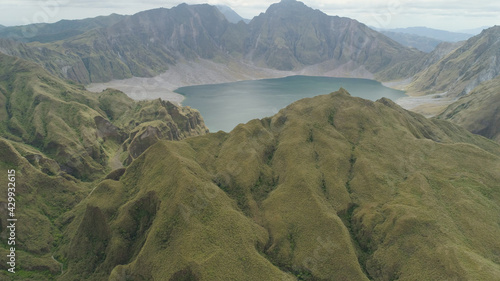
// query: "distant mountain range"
[[50, 32], [423, 38], [439, 52], [289, 36], [437, 34], [230, 14], [474, 31], [422, 43]]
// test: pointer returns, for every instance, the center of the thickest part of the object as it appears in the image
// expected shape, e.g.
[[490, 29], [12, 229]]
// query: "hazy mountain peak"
[[63, 29], [230, 14], [293, 11], [442, 35], [289, 6], [194, 7], [474, 31], [492, 30]]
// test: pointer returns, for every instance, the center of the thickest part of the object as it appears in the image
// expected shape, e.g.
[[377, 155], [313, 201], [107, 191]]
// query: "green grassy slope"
[[330, 188], [62, 140], [69, 66], [478, 111], [78, 129], [52, 116], [40, 198]]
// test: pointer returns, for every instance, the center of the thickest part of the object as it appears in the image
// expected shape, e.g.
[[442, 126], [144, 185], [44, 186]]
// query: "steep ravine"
[[369, 192]]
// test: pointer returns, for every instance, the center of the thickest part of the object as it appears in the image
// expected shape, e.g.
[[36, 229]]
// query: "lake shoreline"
[[225, 105], [204, 72]]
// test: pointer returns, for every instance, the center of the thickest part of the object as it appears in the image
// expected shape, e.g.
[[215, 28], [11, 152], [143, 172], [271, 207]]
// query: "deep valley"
[[333, 175]]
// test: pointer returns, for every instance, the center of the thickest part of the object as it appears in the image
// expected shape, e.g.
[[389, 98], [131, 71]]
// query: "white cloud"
[[450, 14]]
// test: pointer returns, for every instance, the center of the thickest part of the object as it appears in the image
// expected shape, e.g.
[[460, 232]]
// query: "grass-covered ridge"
[[62, 140], [80, 130], [330, 188]]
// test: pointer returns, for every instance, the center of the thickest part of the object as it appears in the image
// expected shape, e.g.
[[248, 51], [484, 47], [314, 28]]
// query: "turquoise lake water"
[[223, 106]]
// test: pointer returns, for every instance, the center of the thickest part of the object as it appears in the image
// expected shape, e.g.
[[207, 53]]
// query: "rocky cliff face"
[[476, 61], [479, 111], [289, 36], [141, 45], [172, 123]]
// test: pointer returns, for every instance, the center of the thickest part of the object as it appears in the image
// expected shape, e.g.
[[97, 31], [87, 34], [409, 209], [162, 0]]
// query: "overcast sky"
[[451, 15]]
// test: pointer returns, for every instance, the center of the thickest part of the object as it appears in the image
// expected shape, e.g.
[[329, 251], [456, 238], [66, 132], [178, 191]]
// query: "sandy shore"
[[140, 89], [183, 74], [201, 72], [398, 85], [429, 105]]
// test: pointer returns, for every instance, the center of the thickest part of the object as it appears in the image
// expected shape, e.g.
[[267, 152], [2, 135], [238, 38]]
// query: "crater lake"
[[224, 106]]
